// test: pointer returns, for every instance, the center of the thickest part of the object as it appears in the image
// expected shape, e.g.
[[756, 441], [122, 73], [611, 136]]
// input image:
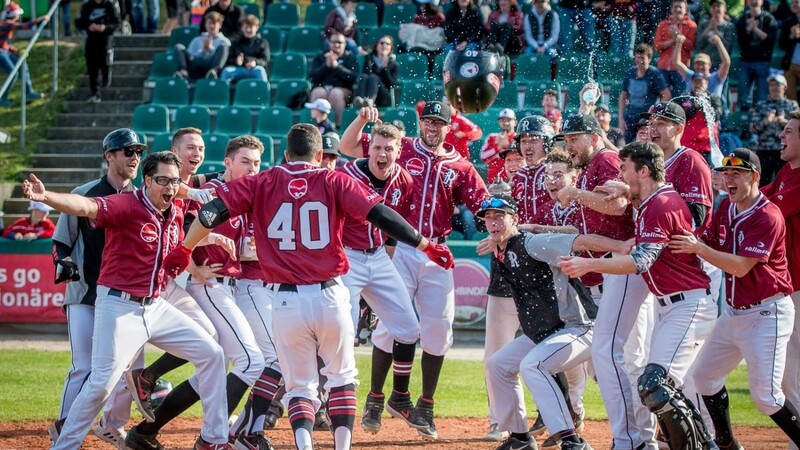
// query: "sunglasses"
[[735, 161], [497, 203], [164, 181], [128, 152]]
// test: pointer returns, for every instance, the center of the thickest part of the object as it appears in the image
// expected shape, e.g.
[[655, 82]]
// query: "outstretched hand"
[[33, 189], [440, 254], [177, 261], [685, 242]]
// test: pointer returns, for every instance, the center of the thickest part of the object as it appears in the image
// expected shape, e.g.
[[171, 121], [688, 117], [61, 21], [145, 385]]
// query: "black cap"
[[580, 124], [535, 125], [644, 120], [436, 110], [513, 147], [668, 110], [741, 158], [497, 203], [122, 138], [330, 144], [602, 107]]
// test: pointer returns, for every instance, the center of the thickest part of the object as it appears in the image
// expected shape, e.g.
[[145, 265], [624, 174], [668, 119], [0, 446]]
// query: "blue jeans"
[[584, 21], [236, 73], [66, 18], [7, 63], [140, 25], [752, 73], [622, 32]]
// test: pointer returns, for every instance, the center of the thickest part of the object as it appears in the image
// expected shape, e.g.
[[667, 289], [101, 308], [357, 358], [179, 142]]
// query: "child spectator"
[[320, 108], [8, 53], [99, 19], [249, 54], [35, 226], [549, 101], [496, 143], [206, 54]]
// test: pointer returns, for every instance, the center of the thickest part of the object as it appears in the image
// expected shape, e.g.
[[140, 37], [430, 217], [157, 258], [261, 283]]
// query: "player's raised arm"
[[73, 204], [393, 224], [350, 143], [210, 215]]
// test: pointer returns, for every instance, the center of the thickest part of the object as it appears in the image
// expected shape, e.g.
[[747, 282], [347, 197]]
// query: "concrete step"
[[69, 147], [56, 160], [142, 40], [55, 187], [118, 80], [110, 107], [62, 175], [79, 133], [108, 94], [93, 120], [142, 54], [132, 67], [10, 218]]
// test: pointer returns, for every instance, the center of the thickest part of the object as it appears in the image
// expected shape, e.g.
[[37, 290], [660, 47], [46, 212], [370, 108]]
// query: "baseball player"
[[497, 142], [373, 276], [556, 317], [684, 319], [746, 239], [129, 311], [442, 179], [214, 295], [534, 137], [77, 255], [302, 208], [554, 217]]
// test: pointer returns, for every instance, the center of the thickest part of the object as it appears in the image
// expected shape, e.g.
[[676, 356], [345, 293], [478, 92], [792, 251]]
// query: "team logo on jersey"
[[740, 237], [235, 222], [764, 313], [449, 177], [723, 234], [298, 187], [468, 70], [149, 232], [415, 166], [512, 259], [395, 197]]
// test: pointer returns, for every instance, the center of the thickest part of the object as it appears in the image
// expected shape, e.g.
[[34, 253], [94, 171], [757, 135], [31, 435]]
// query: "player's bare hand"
[[686, 242], [34, 189], [369, 114], [440, 254], [567, 194], [201, 196], [485, 247], [207, 272], [226, 243], [613, 189], [177, 261], [625, 247], [574, 266]]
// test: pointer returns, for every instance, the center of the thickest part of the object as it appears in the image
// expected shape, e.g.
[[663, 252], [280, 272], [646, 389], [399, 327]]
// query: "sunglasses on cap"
[[497, 203], [735, 161], [128, 152], [163, 181]]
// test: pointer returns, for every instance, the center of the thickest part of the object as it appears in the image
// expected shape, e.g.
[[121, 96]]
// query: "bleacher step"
[[118, 80], [141, 40], [141, 54], [69, 147], [58, 160], [110, 107], [61, 175], [93, 120], [110, 94], [132, 67], [79, 133]]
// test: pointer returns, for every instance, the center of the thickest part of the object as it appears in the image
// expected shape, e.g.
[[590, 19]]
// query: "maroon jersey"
[[690, 175], [530, 192], [232, 228], [397, 193], [298, 213], [141, 234], [554, 215], [251, 269], [784, 192], [440, 183], [757, 232], [663, 214]]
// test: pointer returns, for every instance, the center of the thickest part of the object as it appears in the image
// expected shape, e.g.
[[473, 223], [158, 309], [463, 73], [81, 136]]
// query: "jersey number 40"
[[310, 220]]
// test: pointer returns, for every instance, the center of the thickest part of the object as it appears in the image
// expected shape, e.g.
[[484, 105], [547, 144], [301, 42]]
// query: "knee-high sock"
[[163, 365], [235, 389], [381, 363], [403, 356], [431, 368], [260, 398], [301, 416], [718, 407], [177, 401], [342, 411], [786, 418]]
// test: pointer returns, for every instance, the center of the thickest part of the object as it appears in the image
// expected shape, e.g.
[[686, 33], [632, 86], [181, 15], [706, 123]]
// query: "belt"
[[596, 290], [285, 287], [144, 301], [675, 298], [369, 251], [228, 281]]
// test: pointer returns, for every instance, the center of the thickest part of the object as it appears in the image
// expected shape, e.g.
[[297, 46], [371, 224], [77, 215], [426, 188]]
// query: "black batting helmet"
[[535, 126], [122, 138], [472, 79]]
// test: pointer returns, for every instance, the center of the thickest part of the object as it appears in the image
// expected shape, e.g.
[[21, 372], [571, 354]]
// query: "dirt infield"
[[455, 434]]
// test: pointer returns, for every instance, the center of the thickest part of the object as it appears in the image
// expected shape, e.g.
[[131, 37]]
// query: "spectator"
[[542, 29], [735, 8], [715, 24], [333, 74], [330, 151], [176, 9], [232, 15], [577, 14], [699, 108], [8, 53], [702, 64], [675, 34], [496, 143], [756, 31], [463, 26], [790, 43], [35, 226], [603, 115], [99, 19], [549, 102], [430, 15], [142, 24], [769, 118], [641, 88], [379, 76], [66, 17], [554, 116], [342, 20], [249, 53], [462, 130], [620, 24], [320, 109], [641, 129], [206, 54], [504, 28]]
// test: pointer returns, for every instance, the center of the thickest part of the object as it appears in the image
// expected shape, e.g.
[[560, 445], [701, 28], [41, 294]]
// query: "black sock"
[[177, 401], [403, 355], [523, 437], [235, 388], [431, 368], [786, 418], [165, 364], [381, 363], [260, 398], [718, 407], [301, 416]]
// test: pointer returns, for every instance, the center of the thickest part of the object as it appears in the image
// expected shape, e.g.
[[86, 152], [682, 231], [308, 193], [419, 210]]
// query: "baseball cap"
[[497, 203], [668, 110], [436, 110], [320, 104], [39, 206], [330, 144], [580, 124], [499, 187], [703, 57], [399, 124], [507, 113], [513, 147], [602, 107], [780, 79], [13, 10], [644, 120], [741, 158]]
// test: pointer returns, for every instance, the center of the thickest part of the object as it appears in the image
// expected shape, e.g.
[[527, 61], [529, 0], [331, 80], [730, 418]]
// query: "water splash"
[[711, 120]]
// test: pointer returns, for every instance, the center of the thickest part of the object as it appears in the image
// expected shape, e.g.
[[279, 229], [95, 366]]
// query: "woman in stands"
[[379, 75]]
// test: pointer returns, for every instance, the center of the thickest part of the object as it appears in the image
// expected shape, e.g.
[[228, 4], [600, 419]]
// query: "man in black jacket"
[[99, 19], [333, 74], [756, 31], [232, 14], [249, 53]]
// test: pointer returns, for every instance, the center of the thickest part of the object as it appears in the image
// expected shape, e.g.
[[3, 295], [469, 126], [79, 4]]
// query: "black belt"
[[284, 287], [369, 251], [221, 280], [676, 298], [144, 301]]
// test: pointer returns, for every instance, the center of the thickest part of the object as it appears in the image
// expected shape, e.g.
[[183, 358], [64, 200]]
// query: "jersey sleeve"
[[238, 195], [112, 210], [607, 168], [66, 230], [654, 226], [354, 197], [787, 200], [472, 190], [761, 237], [693, 181], [547, 247]]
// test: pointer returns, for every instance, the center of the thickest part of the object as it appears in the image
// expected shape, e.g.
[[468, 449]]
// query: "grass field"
[[32, 379]]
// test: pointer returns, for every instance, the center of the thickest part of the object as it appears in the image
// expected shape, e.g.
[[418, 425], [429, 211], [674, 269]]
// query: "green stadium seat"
[[287, 89], [209, 166], [283, 15], [162, 142], [268, 157], [274, 121], [349, 115], [305, 116], [193, 116], [413, 91], [367, 40], [213, 93], [508, 96], [274, 37], [487, 121], [233, 121], [254, 94], [304, 40], [152, 119], [409, 117], [367, 14], [288, 66], [533, 69], [737, 121], [251, 8], [413, 66], [316, 13], [215, 146], [171, 92], [163, 66], [183, 35], [399, 13]]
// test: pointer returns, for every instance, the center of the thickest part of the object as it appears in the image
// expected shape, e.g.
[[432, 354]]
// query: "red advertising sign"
[[27, 292], [471, 281]]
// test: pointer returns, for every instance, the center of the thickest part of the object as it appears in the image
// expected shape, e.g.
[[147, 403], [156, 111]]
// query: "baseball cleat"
[[138, 441], [425, 410], [400, 406], [274, 413], [113, 436], [201, 444], [553, 442], [321, 420], [495, 434], [577, 420], [513, 443], [373, 408], [253, 442], [54, 430], [570, 445], [538, 426], [141, 389]]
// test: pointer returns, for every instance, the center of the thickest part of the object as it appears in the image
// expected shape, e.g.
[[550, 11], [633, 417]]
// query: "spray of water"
[[711, 120]]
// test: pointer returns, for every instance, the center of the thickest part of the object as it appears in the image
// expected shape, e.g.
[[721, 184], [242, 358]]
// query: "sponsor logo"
[[756, 250], [653, 234], [298, 187], [148, 233], [415, 166], [760, 245], [209, 216], [740, 237], [235, 222], [395, 197], [469, 69]]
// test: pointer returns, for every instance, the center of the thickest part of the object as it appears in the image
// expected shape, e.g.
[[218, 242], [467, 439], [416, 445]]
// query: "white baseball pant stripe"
[[121, 328], [433, 291], [255, 301], [314, 321], [759, 335], [502, 323], [376, 279], [791, 376], [233, 331], [185, 303]]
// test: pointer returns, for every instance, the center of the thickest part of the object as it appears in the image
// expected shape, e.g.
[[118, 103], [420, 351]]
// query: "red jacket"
[[43, 229], [687, 28]]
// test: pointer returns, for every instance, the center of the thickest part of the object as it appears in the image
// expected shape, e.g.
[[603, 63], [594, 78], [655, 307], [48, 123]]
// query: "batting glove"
[[201, 196], [66, 270], [177, 261], [440, 254]]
